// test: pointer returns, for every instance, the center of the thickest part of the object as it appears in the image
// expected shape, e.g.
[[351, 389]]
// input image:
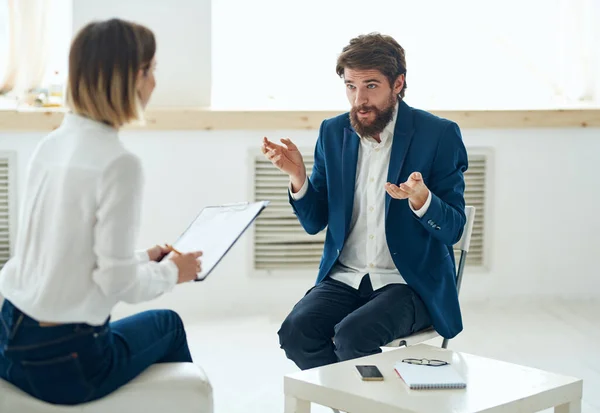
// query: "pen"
[[173, 249]]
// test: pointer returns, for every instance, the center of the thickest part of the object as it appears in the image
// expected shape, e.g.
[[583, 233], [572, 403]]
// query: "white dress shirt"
[[366, 250], [74, 257]]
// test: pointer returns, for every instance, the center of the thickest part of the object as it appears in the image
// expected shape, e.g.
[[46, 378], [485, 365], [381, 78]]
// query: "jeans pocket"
[[58, 380]]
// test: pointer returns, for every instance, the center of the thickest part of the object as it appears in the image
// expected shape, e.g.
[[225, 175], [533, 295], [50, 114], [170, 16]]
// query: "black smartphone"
[[369, 373]]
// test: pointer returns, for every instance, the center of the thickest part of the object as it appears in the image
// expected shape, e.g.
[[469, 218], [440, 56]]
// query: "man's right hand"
[[287, 158], [188, 266]]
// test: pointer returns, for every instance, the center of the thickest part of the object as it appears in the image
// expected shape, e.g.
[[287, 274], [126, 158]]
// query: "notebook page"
[[429, 377]]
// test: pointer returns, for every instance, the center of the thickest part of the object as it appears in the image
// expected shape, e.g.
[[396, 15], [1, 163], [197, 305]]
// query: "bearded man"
[[387, 185]]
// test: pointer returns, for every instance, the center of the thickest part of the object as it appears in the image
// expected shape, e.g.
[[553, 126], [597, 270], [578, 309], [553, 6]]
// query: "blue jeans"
[[359, 321], [76, 363]]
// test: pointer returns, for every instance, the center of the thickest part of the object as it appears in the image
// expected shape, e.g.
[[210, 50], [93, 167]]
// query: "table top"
[[492, 385]]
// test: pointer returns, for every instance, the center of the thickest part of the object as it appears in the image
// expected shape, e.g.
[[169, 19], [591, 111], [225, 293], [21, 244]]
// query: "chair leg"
[[445, 343]]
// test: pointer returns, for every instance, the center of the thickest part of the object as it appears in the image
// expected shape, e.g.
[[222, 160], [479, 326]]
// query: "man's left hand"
[[158, 252], [414, 189]]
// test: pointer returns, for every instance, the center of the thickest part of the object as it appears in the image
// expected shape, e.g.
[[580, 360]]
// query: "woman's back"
[[51, 275]]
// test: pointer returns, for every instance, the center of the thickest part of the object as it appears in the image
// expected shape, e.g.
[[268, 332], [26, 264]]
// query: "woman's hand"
[[157, 253], [188, 265]]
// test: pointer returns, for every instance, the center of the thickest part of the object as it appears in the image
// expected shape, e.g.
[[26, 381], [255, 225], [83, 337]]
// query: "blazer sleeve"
[[445, 218], [312, 208]]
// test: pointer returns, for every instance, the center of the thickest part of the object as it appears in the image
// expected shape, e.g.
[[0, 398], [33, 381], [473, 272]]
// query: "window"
[[34, 43], [60, 32], [462, 54], [271, 54]]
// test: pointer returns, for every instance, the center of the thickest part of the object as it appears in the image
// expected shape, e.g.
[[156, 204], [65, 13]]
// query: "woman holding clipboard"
[[74, 258]]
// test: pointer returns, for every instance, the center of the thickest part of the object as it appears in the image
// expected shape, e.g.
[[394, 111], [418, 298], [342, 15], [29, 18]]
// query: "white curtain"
[[8, 36], [28, 45], [33, 42]]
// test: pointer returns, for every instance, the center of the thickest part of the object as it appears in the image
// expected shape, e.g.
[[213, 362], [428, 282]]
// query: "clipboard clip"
[[235, 206]]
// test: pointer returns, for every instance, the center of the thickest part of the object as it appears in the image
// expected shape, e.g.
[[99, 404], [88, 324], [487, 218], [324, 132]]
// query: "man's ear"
[[398, 84]]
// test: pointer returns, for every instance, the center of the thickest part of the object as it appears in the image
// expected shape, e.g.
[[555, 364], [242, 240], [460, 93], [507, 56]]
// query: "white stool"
[[162, 388]]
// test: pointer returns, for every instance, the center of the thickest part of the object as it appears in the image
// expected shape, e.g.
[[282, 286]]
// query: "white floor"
[[246, 366]]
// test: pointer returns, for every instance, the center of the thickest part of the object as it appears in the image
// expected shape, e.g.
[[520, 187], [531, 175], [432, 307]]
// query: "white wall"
[[543, 227], [182, 29]]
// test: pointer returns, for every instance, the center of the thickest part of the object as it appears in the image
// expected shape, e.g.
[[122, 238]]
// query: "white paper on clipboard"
[[215, 230]]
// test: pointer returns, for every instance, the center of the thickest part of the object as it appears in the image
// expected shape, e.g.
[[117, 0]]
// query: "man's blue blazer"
[[420, 247]]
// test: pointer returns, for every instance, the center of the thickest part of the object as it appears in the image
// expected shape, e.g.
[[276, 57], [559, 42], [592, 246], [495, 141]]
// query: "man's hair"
[[374, 51], [104, 62]]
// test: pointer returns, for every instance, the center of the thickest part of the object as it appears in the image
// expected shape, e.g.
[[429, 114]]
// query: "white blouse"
[[74, 257]]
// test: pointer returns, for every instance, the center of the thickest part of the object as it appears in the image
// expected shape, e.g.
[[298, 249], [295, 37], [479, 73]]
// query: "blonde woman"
[[74, 258]]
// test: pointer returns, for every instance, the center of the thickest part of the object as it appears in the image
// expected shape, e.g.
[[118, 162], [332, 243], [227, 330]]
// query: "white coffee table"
[[492, 387]]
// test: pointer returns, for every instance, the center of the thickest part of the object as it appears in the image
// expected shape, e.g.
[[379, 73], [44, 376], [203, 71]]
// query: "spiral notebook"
[[419, 377]]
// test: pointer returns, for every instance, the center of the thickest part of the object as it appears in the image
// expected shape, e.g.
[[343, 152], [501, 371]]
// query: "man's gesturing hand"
[[414, 189]]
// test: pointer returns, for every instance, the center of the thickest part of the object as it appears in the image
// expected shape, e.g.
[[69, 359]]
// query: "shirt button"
[[371, 236], [372, 179], [376, 149], [371, 209], [371, 265]]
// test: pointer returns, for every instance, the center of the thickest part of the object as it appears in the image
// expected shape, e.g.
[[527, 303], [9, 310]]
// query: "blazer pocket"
[[436, 270]]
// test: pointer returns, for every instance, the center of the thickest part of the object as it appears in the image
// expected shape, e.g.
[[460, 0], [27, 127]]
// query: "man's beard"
[[382, 118]]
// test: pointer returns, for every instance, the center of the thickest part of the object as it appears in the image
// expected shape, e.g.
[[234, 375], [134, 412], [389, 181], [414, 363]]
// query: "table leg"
[[572, 407], [293, 405]]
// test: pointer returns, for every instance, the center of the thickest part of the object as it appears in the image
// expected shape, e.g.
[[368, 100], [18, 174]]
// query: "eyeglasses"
[[426, 362]]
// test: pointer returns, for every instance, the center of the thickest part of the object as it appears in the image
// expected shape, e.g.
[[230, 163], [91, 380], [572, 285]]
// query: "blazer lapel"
[[403, 134], [349, 165]]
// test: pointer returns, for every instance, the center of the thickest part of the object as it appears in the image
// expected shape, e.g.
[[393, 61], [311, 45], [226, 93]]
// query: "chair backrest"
[[463, 244], [465, 240]]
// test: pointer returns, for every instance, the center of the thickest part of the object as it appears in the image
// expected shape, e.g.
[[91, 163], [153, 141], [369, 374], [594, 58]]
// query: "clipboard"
[[215, 230]]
